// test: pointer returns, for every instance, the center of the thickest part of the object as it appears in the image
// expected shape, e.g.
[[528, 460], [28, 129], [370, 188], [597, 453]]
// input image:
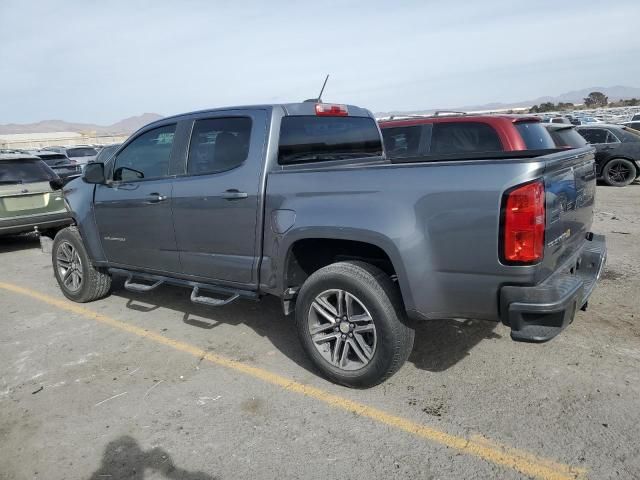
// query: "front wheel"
[[619, 172], [352, 324], [78, 279]]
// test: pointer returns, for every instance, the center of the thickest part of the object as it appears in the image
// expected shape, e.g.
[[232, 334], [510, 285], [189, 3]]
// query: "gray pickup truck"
[[299, 201]]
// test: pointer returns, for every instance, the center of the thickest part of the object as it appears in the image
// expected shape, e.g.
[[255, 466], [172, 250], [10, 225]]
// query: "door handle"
[[234, 194], [156, 198]]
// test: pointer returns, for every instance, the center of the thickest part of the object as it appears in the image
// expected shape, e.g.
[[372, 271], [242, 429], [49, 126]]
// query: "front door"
[[133, 211], [216, 200]]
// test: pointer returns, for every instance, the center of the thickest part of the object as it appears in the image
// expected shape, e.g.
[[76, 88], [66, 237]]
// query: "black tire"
[[381, 297], [95, 282], [619, 172]]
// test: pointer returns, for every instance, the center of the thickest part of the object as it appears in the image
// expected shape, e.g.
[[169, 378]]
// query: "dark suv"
[[617, 152]]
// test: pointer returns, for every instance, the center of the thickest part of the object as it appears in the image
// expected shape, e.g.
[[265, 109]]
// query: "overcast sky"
[[102, 61]]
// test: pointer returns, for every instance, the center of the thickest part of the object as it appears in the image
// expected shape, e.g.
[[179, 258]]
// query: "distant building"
[[48, 139]]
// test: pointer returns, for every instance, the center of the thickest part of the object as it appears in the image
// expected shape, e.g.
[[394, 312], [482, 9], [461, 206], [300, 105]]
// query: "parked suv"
[[463, 134], [81, 154], [59, 163], [30, 196], [299, 201], [617, 152]]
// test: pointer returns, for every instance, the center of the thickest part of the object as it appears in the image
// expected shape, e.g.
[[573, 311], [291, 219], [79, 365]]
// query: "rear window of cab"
[[312, 139]]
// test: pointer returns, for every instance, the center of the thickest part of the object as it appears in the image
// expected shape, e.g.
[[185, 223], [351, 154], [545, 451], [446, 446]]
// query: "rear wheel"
[[352, 324], [78, 279], [619, 172]]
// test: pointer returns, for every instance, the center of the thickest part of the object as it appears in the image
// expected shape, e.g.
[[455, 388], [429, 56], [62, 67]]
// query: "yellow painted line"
[[523, 462]]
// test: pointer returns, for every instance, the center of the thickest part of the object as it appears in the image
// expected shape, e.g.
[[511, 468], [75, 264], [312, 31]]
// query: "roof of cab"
[[300, 108]]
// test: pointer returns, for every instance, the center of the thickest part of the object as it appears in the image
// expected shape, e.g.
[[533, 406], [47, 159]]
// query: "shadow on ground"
[[439, 344], [16, 243], [124, 459]]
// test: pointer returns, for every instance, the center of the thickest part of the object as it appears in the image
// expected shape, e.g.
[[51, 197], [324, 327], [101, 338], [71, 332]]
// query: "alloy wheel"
[[342, 329], [69, 266]]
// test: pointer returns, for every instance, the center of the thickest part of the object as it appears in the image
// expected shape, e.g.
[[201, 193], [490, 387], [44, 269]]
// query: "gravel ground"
[[82, 399]]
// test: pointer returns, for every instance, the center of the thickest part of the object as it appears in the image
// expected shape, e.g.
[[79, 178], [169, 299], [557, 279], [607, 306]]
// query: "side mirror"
[[94, 173], [56, 183]]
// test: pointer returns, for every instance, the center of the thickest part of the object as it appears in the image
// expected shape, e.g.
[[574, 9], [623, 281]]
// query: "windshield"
[[81, 152], [24, 171], [535, 136]]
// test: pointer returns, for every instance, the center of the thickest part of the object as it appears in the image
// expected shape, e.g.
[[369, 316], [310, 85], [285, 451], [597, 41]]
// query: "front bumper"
[[540, 312], [26, 224]]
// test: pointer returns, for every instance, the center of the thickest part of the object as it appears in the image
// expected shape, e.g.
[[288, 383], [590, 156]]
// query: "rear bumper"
[[26, 224], [539, 313]]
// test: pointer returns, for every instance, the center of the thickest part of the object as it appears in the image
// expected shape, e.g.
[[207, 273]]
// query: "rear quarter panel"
[[438, 222]]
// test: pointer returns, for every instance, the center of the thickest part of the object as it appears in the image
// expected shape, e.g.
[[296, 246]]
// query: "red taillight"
[[524, 224], [331, 110]]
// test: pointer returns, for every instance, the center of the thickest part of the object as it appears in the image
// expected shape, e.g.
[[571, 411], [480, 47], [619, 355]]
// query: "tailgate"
[[29, 199], [570, 185]]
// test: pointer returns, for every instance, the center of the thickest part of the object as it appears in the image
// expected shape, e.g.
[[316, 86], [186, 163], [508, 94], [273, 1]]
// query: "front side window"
[[218, 144], [464, 137], [313, 139], [146, 157], [402, 142]]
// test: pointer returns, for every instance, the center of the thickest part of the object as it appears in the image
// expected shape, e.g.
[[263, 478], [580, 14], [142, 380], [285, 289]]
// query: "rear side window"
[[218, 144], [402, 142], [598, 135], [535, 136], [312, 139], [147, 156], [464, 137], [24, 171]]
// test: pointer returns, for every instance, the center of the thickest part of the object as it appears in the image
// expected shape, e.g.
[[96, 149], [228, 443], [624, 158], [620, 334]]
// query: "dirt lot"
[[154, 386]]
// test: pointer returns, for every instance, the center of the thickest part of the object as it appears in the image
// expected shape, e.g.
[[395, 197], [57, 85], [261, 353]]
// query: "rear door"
[[217, 197], [133, 210], [605, 143]]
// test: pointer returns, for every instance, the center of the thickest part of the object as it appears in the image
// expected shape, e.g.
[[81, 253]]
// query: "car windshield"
[[24, 171], [81, 152], [535, 136]]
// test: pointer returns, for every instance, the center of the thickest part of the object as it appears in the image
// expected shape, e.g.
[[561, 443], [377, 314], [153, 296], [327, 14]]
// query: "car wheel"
[[619, 172], [351, 322], [79, 280]]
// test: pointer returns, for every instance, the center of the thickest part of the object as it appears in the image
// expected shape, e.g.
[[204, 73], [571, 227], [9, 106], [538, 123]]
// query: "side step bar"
[[230, 294], [140, 287], [212, 302]]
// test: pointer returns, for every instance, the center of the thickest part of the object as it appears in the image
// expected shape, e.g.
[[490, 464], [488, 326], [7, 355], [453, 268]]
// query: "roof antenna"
[[319, 99]]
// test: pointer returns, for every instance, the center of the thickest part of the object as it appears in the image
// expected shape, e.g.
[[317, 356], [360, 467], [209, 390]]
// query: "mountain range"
[[614, 93], [131, 124], [125, 126]]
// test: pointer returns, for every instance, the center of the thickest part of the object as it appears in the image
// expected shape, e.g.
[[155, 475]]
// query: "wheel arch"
[[308, 251]]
